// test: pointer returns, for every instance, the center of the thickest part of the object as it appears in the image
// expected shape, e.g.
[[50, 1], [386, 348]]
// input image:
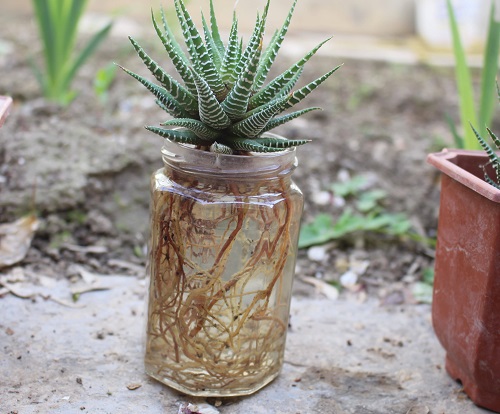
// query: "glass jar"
[[224, 231]]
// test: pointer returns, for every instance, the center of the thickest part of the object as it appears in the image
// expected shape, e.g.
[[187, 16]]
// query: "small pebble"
[[349, 279], [317, 253]]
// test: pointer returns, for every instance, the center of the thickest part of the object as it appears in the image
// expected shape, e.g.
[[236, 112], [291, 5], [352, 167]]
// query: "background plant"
[[223, 105], [58, 23], [364, 214], [465, 87], [103, 80]]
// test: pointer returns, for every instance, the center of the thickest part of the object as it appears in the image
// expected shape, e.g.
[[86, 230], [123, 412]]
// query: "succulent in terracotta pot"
[[465, 306], [225, 213]]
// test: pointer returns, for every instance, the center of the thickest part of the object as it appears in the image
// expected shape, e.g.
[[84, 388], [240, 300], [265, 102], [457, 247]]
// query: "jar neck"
[[189, 162]]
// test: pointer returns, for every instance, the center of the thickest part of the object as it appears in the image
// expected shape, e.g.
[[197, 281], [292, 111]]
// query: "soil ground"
[[85, 170]]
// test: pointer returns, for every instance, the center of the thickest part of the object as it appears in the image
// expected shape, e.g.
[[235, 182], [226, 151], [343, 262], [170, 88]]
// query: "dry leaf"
[[197, 409], [15, 239], [5, 104], [133, 387], [331, 292], [418, 409]]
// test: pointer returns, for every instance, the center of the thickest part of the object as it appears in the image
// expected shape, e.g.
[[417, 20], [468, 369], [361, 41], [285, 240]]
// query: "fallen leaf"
[[329, 291], [85, 249], [5, 104], [197, 409], [133, 387], [418, 409], [15, 239]]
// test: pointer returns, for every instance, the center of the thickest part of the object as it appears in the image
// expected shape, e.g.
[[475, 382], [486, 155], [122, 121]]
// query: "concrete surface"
[[342, 357]]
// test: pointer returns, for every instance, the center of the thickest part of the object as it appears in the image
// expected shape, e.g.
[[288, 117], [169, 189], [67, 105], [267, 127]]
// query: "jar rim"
[[189, 159]]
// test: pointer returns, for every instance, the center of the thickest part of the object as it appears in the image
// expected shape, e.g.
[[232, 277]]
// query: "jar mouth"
[[189, 159]]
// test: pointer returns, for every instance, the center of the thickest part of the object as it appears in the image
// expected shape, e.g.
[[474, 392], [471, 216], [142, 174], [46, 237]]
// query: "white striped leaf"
[[230, 60], [300, 94], [219, 148], [280, 120], [198, 51], [275, 86], [199, 128], [272, 50], [181, 94], [210, 110], [171, 105], [280, 143], [252, 126], [181, 136], [236, 102], [215, 30], [213, 50], [176, 55]]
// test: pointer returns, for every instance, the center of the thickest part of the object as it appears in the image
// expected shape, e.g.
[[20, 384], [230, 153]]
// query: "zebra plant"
[[224, 104], [494, 158]]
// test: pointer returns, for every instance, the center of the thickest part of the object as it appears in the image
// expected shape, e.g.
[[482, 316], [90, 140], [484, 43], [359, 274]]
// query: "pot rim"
[[191, 160], [447, 162]]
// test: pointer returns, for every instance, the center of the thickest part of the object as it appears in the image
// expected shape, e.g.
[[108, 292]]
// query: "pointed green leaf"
[[495, 139], [215, 30], [272, 50], [275, 86], [171, 105], [300, 94], [168, 34], [213, 50], [230, 60], [179, 59], [218, 148], [280, 87], [250, 145], [210, 110], [280, 143], [253, 43], [198, 52], [280, 120], [181, 94], [252, 126], [494, 159], [199, 128], [176, 135], [236, 102]]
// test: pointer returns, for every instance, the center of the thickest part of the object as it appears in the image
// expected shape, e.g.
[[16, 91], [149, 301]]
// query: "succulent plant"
[[224, 104], [494, 158], [492, 155]]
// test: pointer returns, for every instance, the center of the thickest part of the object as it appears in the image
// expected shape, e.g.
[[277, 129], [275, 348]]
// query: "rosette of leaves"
[[224, 103]]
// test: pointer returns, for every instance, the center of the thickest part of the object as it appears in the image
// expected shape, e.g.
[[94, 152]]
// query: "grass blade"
[[490, 69], [85, 53], [464, 84], [46, 28]]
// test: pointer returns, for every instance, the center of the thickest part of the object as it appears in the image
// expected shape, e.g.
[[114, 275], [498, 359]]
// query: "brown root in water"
[[208, 330]]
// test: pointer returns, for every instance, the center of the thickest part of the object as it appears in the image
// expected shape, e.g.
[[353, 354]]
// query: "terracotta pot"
[[466, 300], [5, 103]]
